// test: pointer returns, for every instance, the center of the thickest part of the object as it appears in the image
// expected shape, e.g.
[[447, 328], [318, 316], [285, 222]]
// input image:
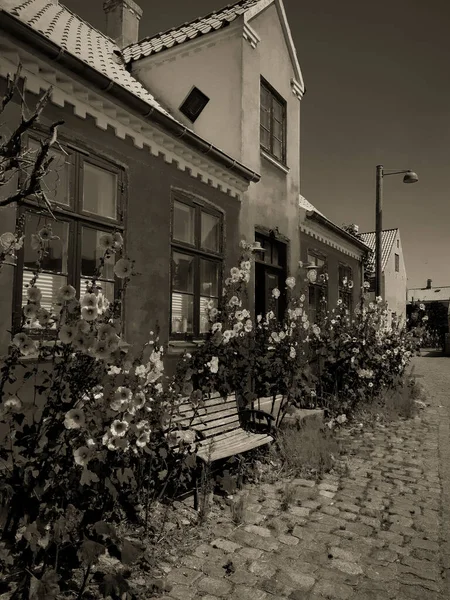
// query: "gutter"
[[55, 53], [315, 216]]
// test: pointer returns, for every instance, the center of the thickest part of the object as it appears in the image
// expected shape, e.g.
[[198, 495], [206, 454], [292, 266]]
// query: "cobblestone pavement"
[[376, 532]]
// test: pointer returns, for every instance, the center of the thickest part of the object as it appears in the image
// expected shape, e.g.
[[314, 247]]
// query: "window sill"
[[275, 161], [180, 346]]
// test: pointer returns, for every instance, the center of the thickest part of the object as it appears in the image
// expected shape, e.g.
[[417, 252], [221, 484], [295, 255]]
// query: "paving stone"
[[255, 541], [327, 494], [346, 555], [299, 580], [289, 540], [214, 586], [243, 577], [249, 553], [243, 592], [299, 511], [424, 544], [225, 545], [262, 568], [346, 567], [304, 482], [336, 591], [183, 575], [262, 531], [182, 592]]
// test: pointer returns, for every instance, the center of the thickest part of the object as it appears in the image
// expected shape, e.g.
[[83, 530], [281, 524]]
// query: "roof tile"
[[387, 241], [80, 39], [199, 26]]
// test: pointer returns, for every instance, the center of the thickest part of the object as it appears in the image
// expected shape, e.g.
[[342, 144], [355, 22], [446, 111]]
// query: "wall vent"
[[194, 104]]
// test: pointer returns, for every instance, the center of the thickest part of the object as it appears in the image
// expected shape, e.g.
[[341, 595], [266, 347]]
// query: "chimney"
[[428, 284], [122, 21]]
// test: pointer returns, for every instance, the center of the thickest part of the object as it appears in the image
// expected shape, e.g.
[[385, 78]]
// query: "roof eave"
[[56, 53], [315, 216]]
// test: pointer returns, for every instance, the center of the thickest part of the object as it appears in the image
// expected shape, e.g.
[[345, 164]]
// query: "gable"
[[251, 18]]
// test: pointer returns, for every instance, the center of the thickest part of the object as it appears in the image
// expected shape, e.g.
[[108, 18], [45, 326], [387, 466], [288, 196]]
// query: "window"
[[270, 273], [272, 122], [398, 243], [86, 192], [318, 286], [196, 266], [194, 104], [345, 287], [397, 263]]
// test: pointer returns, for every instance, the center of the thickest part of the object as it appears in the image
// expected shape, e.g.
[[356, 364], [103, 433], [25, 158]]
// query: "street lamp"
[[409, 177]]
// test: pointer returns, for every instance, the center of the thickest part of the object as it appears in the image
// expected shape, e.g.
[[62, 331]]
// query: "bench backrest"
[[215, 416]]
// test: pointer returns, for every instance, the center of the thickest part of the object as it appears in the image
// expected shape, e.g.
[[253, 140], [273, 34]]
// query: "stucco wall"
[[395, 283], [147, 220], [212, 64], [334, 257]]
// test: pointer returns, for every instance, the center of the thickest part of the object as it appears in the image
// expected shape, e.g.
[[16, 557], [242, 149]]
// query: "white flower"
[[34, 294], [89, 313], [143, 439], [30, 311], [118, 240], [89, 300], [275, 337], [82, 341], [13, 404], [123, 268], [44, 317], [422, 306], [28, 347], [276, 293], [378, 299], [82, 455], [66, 293], [306, 325], [425, 318], [350, 285], [292, 352], [245, 265], [341, 419], [45, 234], [119, 428], [213, 364], [370, 384], [74, 419], [234, 301], [239, 315], [106, 241], [123, 394], [216, 327], [7, 239], [248, 325], [290, 282], [316, 329]]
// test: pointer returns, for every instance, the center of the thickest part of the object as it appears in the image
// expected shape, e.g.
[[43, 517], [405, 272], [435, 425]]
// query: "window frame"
[[198, 253], [344, 292], [279, 267], [397, 262], [274, 96], [319, 287], [69, 213]]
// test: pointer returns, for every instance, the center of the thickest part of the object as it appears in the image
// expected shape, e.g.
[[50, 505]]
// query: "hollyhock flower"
[[292, 352], [82, 455], [227, 335], [378, 299], [341, 419], [119, 428], [213, 364], [235, 273], [350, 285], [216, 327], [106, 241], [276, 293], [89, 313], [34, 294], [81, 341], [238, 326], [89, 300], [101, 350], [339, 302], [143, 439], [19, 339], [28, 347], [302, 298], [290, 282], [123, 394], [306, 325], [245, 265], [67, 293], [123, 268], [30, 311], [82, 326], [7, 239], [234, 301], [45, 234], [74, 419], [44, 317], [118, 240], [13, 404], [213, 312], [248, 325]]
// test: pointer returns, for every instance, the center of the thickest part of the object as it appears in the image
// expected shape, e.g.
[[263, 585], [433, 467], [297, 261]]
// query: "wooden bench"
[[224, 429]]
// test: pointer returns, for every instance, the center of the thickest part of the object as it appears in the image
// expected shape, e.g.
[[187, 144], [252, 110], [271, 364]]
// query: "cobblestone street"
[[376, 532]]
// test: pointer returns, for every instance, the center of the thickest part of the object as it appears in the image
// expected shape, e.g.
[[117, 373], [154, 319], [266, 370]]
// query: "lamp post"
[[409, 177]]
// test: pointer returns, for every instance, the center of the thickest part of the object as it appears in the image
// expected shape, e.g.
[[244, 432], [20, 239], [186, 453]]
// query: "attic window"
[[194, 104]]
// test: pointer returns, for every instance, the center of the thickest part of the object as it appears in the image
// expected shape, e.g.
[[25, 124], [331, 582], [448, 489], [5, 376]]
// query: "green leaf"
[[90, 551], [132, 550], [88, 477], [46, 588], [114, 585], [106, 529]]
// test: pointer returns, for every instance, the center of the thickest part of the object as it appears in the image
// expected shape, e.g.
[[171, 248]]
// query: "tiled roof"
[[67, 30], [306, 205], [387, 241], [428, 295], [188, 31]]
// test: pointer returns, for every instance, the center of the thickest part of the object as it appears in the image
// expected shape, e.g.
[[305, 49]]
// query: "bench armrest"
[[257, 413]]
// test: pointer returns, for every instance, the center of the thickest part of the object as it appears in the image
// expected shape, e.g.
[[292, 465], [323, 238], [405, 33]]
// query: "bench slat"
[[255, 441], [231, 425], [203, 415], [186, 404]]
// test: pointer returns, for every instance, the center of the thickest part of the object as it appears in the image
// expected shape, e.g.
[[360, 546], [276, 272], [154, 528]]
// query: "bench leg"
[[196, 490]]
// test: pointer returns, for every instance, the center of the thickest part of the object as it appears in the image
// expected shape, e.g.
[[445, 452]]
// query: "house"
[[437, 305], [124, 162], [234, 78], [394, 280], [339, 257]]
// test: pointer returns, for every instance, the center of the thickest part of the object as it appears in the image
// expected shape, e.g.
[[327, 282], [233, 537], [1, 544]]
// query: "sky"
[[377, 92]]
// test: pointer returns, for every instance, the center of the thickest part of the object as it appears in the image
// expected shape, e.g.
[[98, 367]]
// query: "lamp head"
[[410, 177]]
